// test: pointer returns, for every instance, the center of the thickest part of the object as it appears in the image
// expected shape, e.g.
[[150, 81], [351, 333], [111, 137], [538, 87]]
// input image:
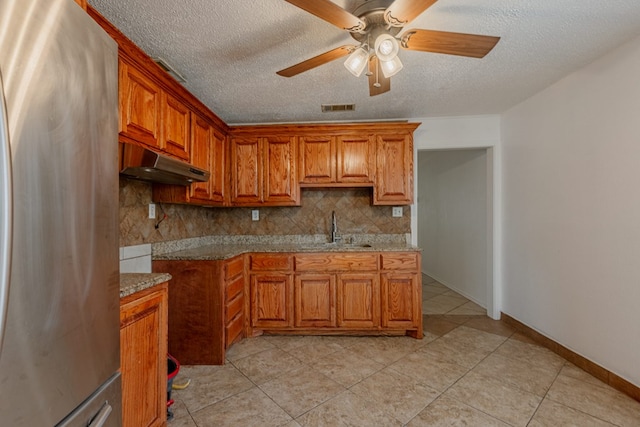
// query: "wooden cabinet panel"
[[394, 170], [201, 156], [399, 261], [246, 171], [218, 180], [317, 157], [196, 311], [280, 171], [358, 300], [315, 304], [337, 262], [233, 330], [271, 304], [234, 307], [176, 126], [400, 300], [356, 160], [143, 357], [270, 262], [139, 103]]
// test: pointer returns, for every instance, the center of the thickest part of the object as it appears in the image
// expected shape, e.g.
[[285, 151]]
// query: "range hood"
[[141, 163]]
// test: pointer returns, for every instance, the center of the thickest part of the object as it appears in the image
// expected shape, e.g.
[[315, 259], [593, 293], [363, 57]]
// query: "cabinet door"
[[143, 357], [358, 300], [246, 171], [176, 129], [317, 159], [218, 178], [280, 172], [139, 103], [315, 300], [400, 300], [356, 160], [394, 170], [201, 156], [271, 305]]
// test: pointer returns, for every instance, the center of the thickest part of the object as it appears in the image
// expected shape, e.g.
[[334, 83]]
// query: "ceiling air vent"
[[326, 108], [169, 69]]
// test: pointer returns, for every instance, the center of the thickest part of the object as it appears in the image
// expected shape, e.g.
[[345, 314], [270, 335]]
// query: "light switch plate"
[[152, 211], [396, 212], [255, 215]]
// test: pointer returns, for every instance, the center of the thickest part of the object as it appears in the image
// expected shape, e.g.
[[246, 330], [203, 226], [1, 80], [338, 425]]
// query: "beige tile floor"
[[468, 370]]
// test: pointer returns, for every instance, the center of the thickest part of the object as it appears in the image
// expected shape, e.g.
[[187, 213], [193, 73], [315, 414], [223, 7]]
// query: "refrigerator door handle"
[[6, 210], [102, 417]]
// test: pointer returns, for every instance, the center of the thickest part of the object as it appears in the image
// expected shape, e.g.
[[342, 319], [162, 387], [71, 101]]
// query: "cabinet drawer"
[[234, 288], [269, 262], [233, 330], [337, 262], [399, 261], [233, 268], [234, 307]]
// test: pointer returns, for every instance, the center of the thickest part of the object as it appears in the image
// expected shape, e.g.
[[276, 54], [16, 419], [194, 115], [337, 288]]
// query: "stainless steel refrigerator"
[[59, 279]]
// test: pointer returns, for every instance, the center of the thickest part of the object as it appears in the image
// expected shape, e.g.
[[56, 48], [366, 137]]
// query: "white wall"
[[452, 219], [571, 197], [446, 133]]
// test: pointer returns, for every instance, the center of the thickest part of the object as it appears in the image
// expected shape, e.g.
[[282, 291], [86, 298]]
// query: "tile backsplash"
[[355, 215]]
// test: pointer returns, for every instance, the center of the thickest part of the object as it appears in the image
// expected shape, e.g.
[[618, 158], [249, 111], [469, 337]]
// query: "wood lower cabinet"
[[143, 357], [358, 300], [401, 291], [234, 285], [315, 301], [271, 291]]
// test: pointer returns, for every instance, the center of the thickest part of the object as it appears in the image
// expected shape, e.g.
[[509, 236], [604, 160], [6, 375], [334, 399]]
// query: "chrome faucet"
[[334, 227]]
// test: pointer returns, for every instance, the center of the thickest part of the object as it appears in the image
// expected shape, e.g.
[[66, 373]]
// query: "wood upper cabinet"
[[263, 171], [342, 159], [139, 103], [355, 159], [219, 180], [246, 171], [176, 129], [143, 357], [317, 159], [394, 169], [280, 171], [201, 135], [208, 151], [82, 3]]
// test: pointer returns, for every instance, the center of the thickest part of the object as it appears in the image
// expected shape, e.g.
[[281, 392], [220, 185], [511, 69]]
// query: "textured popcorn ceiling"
[[229, 52]]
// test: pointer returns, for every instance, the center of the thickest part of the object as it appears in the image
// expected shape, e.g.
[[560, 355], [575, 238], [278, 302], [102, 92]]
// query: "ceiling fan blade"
[[378, 83], [316, 61], [332, 13], [461, 44], [400, 12]]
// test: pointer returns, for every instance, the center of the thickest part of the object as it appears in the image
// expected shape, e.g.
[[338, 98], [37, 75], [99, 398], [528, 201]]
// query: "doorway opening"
[[455, 221]]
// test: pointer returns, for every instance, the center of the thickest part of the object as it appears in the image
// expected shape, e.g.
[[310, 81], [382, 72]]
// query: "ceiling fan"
[[376, 25]]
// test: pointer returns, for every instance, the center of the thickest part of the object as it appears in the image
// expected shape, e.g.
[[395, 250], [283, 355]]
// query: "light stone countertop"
[[226, 251], [135, 282]]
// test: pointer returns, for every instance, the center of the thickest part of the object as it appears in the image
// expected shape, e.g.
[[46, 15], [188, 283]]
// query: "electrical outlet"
[[152, 211], [255, 215], [396, 212]]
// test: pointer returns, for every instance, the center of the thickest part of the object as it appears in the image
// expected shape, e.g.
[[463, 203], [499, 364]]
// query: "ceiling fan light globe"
[[392, 67], [357, 61], [386, 47]]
